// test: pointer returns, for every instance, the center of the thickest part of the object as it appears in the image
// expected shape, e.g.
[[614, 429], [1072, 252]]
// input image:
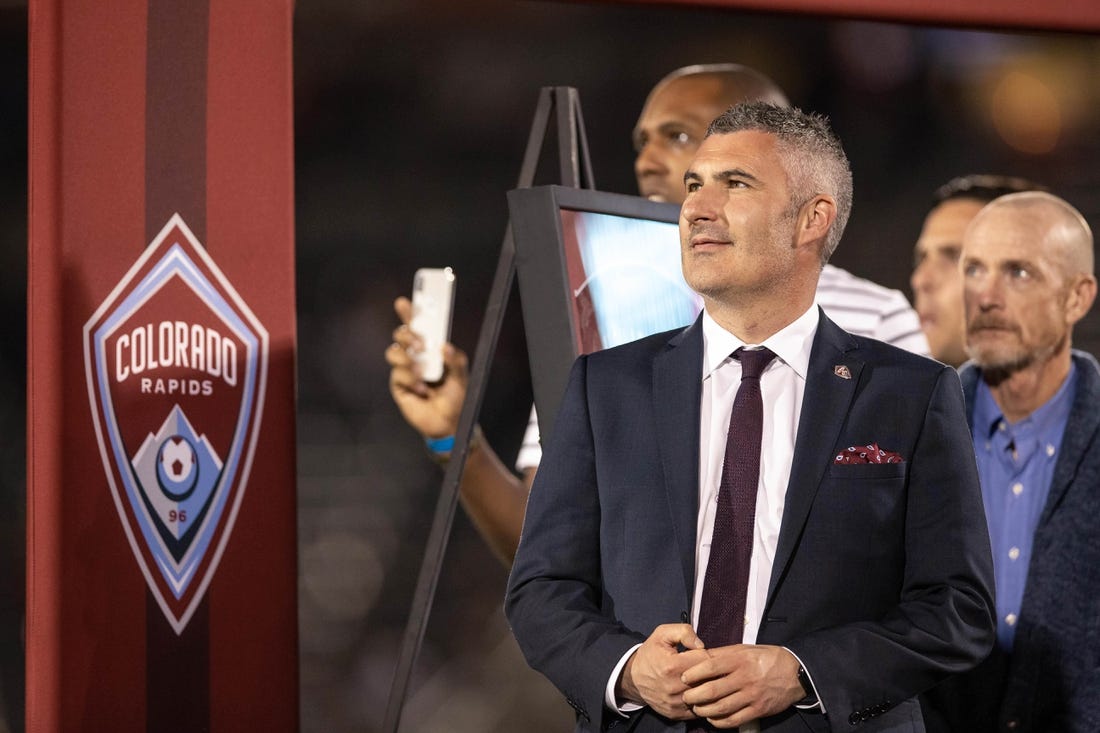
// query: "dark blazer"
[[1051, 681], [882, 578]]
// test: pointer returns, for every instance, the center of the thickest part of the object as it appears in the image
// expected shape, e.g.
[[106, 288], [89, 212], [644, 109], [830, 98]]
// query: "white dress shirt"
[[782, 386]]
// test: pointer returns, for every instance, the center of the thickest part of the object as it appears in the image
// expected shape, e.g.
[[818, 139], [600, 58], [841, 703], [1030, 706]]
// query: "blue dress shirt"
[[1016, 464]]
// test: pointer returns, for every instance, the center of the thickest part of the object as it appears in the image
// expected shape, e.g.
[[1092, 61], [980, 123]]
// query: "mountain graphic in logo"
[[185, 468], [176, 365]]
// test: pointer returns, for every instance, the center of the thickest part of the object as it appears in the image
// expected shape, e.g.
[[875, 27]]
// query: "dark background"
[[411, 118]]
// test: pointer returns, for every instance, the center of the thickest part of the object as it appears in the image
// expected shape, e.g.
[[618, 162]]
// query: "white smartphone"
[[432, 302]]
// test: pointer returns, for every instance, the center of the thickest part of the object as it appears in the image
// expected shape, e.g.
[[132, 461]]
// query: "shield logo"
[[177, 370]]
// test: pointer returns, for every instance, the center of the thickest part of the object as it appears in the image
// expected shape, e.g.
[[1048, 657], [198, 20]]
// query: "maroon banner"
[[161, 337], [1065, 15]]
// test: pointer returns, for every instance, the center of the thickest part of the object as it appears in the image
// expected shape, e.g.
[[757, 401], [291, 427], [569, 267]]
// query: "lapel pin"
[[842, 371]]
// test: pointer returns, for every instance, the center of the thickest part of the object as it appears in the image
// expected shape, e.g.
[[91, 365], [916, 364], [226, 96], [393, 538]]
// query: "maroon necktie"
[[725, 587]]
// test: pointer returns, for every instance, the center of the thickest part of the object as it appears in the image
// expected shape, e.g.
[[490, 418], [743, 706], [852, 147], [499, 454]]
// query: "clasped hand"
[[729, 686]]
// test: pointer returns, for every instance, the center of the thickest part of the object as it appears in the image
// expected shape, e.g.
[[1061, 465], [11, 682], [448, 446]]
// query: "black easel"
[[575, 169]]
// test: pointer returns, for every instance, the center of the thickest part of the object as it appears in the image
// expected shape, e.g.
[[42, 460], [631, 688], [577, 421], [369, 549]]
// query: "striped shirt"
[[868, 309], [857, 305]]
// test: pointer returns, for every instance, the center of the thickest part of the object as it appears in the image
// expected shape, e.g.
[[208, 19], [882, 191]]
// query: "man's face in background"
[[669, 131], [1016, 289], [937, 279]]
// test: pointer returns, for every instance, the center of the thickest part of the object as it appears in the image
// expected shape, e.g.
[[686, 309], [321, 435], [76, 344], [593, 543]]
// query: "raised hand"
[[431, 409]]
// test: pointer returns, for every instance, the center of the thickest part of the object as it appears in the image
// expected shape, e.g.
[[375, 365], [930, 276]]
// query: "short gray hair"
[[812, 153]]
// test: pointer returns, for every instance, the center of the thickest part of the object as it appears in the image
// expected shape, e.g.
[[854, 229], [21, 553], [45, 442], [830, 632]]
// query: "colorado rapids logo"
[[177, 369]]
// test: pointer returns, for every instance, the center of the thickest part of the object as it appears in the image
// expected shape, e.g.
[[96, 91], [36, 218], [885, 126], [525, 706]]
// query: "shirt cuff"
[[609, 692], [818, 705]]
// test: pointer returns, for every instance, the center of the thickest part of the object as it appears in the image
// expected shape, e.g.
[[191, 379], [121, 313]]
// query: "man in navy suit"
[[869, 578], [1034, 406]]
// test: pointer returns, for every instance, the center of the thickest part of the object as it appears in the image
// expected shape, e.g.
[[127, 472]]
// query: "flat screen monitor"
[[595, 270]]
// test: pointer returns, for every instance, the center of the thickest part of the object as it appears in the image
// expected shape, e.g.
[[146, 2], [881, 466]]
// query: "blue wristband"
[[440, 446]]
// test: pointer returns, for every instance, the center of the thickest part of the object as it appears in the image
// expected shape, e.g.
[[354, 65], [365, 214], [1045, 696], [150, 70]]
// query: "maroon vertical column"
[[161, 529]]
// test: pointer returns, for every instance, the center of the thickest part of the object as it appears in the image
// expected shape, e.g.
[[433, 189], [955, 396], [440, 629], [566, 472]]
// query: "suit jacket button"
[[1012, 724], [684, 617]]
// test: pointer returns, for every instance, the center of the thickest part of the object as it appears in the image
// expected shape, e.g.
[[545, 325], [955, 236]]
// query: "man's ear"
[[1079, 300], [816, 218]]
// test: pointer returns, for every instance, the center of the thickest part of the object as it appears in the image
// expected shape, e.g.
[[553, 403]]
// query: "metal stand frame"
[[575, 169]]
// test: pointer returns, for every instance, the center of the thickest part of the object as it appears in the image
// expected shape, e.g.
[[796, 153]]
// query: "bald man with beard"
[[1034, 408]]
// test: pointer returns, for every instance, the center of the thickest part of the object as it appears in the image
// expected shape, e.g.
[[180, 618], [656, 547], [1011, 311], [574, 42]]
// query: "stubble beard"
[[997, 365], [718, 290]]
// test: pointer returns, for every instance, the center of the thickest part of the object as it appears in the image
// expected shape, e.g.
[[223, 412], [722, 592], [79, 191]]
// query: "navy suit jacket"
[[882, 581], [1051, 681]]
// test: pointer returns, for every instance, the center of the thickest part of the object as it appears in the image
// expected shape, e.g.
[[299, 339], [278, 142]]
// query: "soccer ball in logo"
[[177, 467]]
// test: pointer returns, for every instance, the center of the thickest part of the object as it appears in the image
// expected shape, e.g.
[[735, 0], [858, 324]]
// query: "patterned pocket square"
[[870, 453]]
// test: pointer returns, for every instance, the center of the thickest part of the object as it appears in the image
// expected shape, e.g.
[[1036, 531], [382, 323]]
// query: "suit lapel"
[[825, 406], [677, 379], [1083, 422]]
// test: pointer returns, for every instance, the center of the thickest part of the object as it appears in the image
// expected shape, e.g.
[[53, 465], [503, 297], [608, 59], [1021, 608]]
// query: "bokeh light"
[[1026, 113]]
